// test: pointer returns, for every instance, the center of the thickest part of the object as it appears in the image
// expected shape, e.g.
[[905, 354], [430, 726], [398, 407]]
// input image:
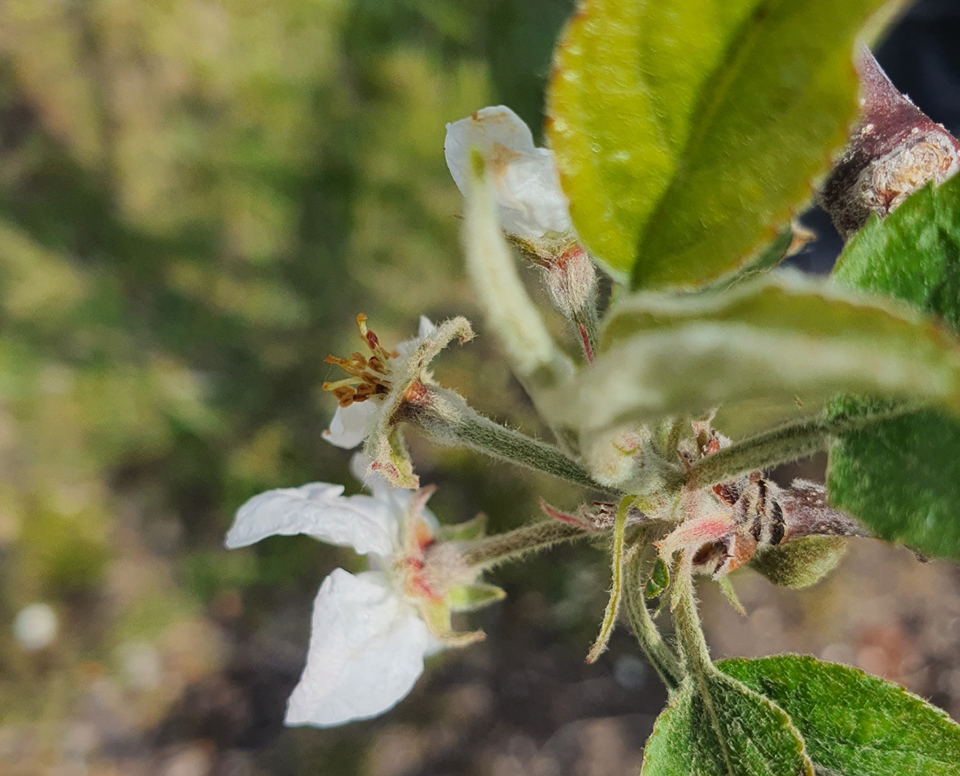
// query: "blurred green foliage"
[[196, 198]]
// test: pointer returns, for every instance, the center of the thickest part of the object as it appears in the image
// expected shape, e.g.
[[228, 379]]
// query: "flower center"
[[369, 375]]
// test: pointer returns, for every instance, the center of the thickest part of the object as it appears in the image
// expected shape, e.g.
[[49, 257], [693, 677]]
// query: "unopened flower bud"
[[532, 210], [569, 277], [800, 563], [625, 459]]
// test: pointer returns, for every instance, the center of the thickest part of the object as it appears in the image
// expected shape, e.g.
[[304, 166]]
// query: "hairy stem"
[[690, 636], [660, 656], [445, 418], [783, 444], [696, 655], [493, 550]]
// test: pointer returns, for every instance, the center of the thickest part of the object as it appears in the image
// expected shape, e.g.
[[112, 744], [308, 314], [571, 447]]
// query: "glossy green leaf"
[[902, 477], [773, 339], [688, 131], [723, 729], [768, 259], [855, 724]]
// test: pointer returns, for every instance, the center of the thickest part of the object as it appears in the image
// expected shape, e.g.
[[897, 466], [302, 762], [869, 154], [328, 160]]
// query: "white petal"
[[426, 328], [530, 202], [373, 481], [366, 652], [484, 130], [350, 425], [366, 523], [398, 498]]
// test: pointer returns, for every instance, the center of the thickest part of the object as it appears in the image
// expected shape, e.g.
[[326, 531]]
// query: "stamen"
[[369, 375], [348, 381]]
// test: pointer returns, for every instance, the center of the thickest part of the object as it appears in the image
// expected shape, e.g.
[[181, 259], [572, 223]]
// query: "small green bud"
[[800, 563], [659, 579]]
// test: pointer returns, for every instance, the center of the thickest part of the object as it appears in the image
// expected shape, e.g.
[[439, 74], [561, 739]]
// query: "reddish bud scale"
[[894, 150]]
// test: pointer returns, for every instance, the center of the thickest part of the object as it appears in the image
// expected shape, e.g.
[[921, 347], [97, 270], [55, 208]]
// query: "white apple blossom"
[[370, 631], [352, 423], [532, 210], [530, 204], [379, 386]]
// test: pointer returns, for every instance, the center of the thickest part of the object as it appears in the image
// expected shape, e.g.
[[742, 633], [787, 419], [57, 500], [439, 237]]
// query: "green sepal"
[[612, 610], [469, 598], [730, 593], [475, 528]]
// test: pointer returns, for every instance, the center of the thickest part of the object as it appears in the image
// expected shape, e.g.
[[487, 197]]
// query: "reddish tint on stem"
[[895, 150], [586, 343]]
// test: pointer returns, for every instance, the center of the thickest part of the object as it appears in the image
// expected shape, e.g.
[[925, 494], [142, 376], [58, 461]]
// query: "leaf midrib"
[[712, 96]]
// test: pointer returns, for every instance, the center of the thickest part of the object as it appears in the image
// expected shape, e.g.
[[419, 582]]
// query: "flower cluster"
[[532, 209], [385, 388], [370, 631]]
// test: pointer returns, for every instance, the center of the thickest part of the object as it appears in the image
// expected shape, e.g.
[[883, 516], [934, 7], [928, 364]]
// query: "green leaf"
[[725, 729], [913, 255], [687, 131], [854, 724], [773, 339], [766, 260], [902, 477]]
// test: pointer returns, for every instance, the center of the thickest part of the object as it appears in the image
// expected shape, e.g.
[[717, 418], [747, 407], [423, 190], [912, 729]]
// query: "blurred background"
[[196, 198]]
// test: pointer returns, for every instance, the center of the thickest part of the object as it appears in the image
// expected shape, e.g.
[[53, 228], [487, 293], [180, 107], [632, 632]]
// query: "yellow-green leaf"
[[688, 131]]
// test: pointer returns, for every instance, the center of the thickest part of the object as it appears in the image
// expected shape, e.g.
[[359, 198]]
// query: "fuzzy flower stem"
[[661, 657], [493, 550], [690, 636], [784, 444], [445, 418], [486, 436]]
